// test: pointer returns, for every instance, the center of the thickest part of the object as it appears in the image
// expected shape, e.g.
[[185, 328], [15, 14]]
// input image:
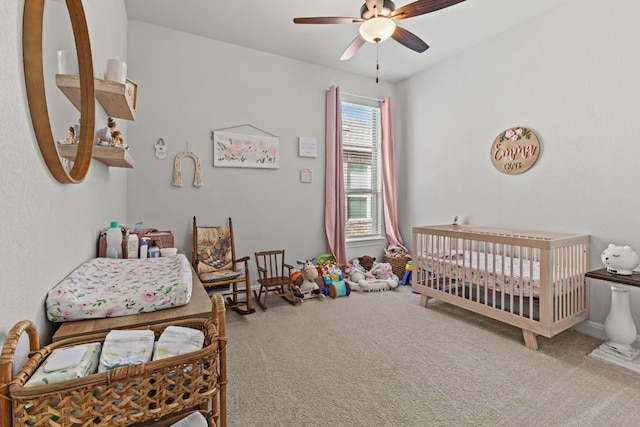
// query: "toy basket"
[[397, 264], [123, 396]]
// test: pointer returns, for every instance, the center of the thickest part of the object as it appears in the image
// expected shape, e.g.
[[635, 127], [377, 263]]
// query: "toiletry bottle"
[[132, 246], [144, 246], [114, 241], [154, 250]]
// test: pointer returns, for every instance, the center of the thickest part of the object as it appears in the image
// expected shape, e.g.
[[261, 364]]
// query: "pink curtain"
[[334, 211], [389, 191]]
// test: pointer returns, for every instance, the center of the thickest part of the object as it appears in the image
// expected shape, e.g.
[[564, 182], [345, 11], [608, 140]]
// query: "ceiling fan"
[[377, 18]]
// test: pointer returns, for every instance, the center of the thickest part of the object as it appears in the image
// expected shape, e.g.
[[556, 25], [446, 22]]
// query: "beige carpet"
[[381, 359]]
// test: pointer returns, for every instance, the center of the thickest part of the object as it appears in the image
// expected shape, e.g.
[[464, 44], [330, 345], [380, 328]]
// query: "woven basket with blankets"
[[118, 378]]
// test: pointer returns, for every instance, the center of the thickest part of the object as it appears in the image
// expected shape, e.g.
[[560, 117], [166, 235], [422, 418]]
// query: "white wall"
[[570, 75], [190, 86], [48, 228]]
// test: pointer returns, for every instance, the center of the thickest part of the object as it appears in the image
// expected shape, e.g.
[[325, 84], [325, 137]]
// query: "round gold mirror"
[[32, 31]]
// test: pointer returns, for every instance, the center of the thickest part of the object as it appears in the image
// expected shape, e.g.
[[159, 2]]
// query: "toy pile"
[[398, 256], [366, 275], [397, 251], [331, 271], [326, 267]]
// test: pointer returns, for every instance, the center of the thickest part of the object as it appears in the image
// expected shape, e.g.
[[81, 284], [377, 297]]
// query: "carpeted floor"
[[381, 359]]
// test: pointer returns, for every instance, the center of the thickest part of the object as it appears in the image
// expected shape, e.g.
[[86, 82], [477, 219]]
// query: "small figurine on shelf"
[[118, 140], [104, 136], [71, 136]]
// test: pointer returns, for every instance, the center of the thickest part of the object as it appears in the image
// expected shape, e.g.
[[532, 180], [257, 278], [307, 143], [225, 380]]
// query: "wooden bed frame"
[[561, 301]]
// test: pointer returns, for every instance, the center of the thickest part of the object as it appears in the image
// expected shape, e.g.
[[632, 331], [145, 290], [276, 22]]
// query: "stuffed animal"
[[382, 270], [366, 262], [356, 276], [306, 281], [620, 259]]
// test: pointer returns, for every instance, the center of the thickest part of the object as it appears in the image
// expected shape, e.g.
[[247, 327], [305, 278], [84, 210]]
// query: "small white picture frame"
[[307, 147], [305, 175]]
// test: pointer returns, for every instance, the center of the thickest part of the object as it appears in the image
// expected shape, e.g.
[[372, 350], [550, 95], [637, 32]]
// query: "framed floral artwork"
[[131, 92], [231, 149]]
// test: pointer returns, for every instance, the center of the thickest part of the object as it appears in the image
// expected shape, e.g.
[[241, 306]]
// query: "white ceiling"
[[268, 26]]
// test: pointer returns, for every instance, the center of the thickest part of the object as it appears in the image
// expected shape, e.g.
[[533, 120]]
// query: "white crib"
[[529, 279]]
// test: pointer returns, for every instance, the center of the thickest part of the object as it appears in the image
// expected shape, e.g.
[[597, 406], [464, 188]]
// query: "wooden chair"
[[215, 262], [273, 276]]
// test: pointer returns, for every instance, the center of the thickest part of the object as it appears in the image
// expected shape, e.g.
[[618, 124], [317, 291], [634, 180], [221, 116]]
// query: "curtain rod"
[[363, 97], [360, 96]]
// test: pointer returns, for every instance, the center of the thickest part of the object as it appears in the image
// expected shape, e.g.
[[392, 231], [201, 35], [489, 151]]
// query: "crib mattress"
[[106, 287], [502, 273]]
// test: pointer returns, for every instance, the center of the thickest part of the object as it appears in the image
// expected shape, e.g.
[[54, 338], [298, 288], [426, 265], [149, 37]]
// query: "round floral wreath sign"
[[515, 150]]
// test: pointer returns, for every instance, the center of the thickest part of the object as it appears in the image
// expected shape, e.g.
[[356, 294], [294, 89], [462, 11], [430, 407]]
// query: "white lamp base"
[[621, 332], [626, 359]]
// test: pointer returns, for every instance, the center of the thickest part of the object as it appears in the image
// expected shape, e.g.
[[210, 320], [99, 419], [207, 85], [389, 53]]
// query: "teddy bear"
[[367, 262], [620, 259]]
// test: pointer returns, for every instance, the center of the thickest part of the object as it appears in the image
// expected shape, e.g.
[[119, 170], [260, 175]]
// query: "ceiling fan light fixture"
[[376, 30], [387, 9]]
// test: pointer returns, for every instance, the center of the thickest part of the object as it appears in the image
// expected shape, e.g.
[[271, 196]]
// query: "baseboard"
[[591, 328], [595, 329]]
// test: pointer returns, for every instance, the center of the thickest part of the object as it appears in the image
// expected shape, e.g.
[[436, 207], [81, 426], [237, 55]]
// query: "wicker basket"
[[397, 265], [127, 395]]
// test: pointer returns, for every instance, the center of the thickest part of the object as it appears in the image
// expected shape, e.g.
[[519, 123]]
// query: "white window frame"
[[365, 147]]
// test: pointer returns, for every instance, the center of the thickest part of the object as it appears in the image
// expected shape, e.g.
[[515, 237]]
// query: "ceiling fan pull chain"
[[377, 62]]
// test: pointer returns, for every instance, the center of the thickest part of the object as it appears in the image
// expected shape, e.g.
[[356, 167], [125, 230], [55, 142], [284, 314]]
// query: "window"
[[361, 168]]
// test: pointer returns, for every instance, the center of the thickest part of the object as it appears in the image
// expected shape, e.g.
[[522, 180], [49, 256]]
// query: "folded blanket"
[[194, 420], [126, 347], [67, 363], [176, 340]]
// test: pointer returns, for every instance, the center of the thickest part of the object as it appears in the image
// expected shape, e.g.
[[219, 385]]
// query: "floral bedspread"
[[106, 287], [493, 272]]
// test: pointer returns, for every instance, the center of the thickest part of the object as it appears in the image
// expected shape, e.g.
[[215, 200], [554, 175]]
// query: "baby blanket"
[[67, 363], [176, 340], [126, 347]]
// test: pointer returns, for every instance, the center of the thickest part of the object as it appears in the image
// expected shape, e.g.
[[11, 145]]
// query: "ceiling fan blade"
[[326, 20], [420, 7], [355, 45], [410, 40]]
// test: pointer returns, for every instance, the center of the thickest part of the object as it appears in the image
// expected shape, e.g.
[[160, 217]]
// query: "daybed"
[[136, 394], [532, 280]]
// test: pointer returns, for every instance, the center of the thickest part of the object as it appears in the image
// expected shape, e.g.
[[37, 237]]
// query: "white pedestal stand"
[[621, 333]]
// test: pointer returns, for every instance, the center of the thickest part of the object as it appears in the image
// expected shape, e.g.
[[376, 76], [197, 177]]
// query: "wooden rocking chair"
[[273, 276], [215, 262]]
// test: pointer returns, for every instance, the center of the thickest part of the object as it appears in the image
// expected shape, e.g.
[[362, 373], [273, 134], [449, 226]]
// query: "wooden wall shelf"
[[110, 156], [118, 100]]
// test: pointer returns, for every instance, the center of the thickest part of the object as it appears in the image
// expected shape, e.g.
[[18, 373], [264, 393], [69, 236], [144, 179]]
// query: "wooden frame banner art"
[[515, 150], [232, 149]]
